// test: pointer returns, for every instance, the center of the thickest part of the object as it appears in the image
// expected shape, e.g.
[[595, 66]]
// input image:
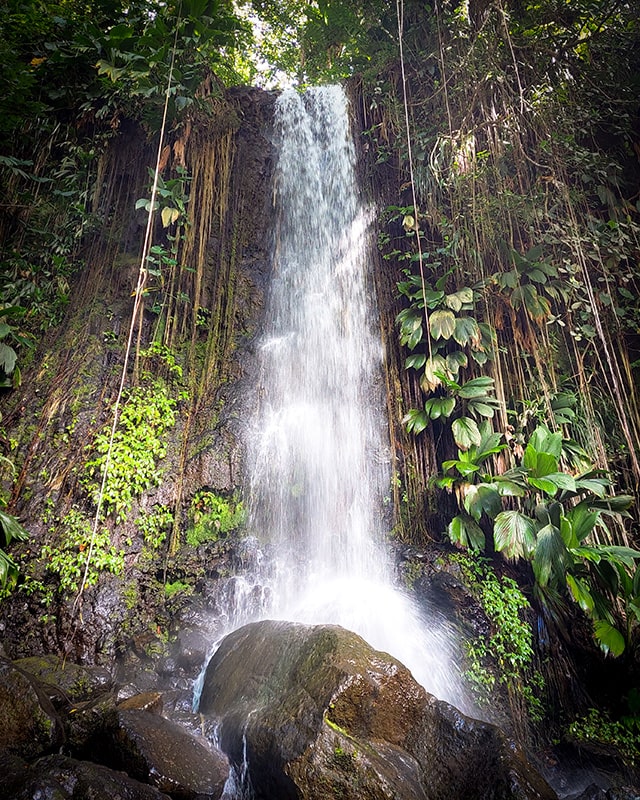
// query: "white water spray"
[[320, 459]]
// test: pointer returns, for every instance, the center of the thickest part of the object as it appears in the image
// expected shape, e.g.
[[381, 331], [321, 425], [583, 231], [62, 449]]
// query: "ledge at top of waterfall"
[[314, 712]]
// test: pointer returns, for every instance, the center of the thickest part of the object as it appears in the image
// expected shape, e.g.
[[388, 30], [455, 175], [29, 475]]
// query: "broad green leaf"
[[11, 528], [415, 361], [617, 554], [514, 534], [467, 332], [482, 497], [416, 420], [442, 324], [465, 432], [477, 387], [582, 520], [8, 358], [437, 407], [456, 360], [4, 329], [551, 557], [465, 531], [540, 464], [507, 488], [544, 485], [609, 638], [562, 480], [545, 441], [8, 570], [580, 593], [482, 409]]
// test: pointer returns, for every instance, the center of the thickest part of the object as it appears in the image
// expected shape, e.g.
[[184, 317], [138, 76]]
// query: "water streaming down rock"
[[318, 453]]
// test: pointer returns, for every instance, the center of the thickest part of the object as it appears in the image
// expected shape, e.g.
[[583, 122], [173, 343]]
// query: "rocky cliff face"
[[191, 354]]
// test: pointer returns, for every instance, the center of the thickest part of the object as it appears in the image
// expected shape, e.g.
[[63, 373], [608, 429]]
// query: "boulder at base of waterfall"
[[315, 713], [160, 752], [60, 778]]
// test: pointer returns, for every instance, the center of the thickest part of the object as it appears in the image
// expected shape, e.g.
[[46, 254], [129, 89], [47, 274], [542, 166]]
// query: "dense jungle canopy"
[[500, 143]]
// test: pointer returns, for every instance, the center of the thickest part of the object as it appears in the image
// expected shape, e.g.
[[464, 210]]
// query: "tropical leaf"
[[437, 407], [169, 216], [551, 557], [433, 368], [415, 361], [482, 497], [545, 441], [544, 485], [580, 593], [8, 358], [442, 324], [11, 528], [465, 531], [466, 331], [416, 420], [514, 534], [477, 387], [609, 638], [456, 360], [465, 432]]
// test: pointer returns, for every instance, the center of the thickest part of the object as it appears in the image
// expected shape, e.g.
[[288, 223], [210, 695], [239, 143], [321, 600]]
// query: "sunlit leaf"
[[465, 432], [580, 593], [467, 332], [442, 324], [482, 497], [465, 531], [551, 557], [609, 638], [514, 534]]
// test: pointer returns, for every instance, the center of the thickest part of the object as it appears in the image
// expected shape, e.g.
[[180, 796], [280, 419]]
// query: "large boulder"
[[160, 752], [313, 712], [57, 777], [65, 682]]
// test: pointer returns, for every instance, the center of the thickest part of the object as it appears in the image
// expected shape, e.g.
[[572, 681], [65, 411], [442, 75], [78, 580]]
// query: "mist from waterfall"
[[317, 450]]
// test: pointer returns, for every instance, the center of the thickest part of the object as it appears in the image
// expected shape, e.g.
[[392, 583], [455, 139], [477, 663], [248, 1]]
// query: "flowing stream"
[[317, 446]]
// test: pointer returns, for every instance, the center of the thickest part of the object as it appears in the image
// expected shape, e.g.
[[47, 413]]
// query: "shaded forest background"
[[500, 144]]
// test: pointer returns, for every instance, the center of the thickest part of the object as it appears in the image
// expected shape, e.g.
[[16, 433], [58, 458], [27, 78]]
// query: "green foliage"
[[10, 530], [147, 414], [510, 641], [212, 516], [597, 728], [177, 587], [155, 525], [553, 527], [447, 338], [67, 557]]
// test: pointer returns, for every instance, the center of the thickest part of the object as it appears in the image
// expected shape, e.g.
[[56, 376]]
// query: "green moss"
[[212, 516]]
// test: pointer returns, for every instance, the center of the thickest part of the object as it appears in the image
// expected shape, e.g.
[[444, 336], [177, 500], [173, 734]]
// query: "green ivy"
[[68, 558], [147, 414], [598, 728], [154, 526], [510, 642]]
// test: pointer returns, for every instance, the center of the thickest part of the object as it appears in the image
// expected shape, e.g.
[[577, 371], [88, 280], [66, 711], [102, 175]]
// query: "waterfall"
[[318, 455]]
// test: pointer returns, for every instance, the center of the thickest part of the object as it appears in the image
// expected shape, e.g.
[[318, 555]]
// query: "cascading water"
[[320, 460]]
